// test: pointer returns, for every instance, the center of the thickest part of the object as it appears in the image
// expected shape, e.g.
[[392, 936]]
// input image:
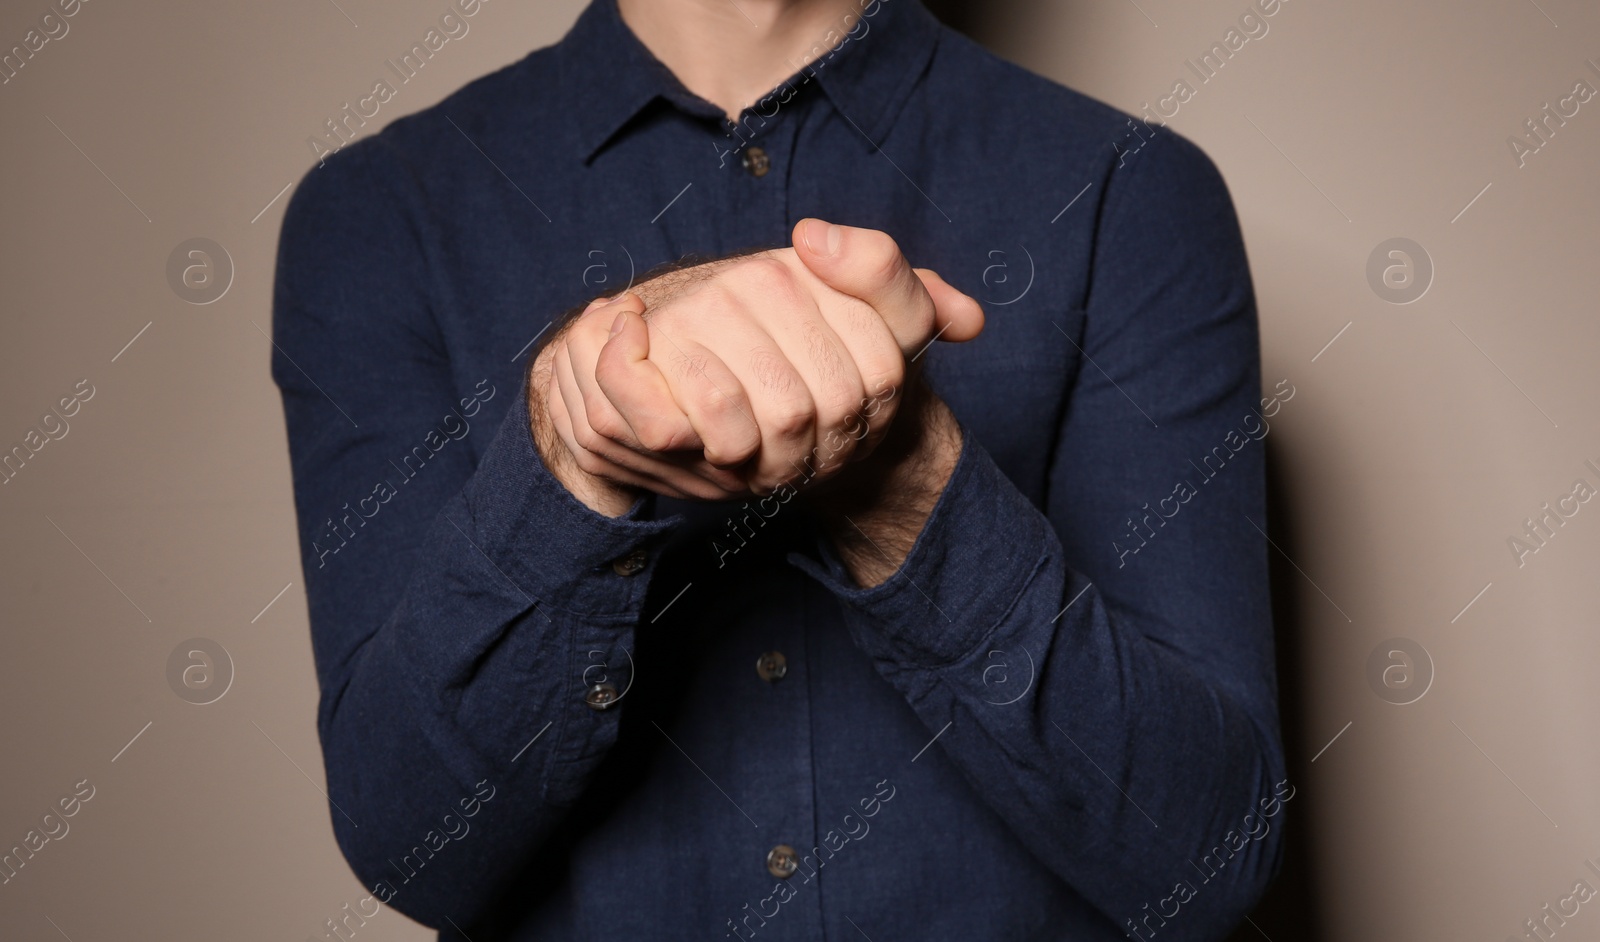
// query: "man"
[[799, 593]]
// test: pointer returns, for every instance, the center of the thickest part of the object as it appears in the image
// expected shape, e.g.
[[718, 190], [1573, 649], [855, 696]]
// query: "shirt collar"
[[609, 76]]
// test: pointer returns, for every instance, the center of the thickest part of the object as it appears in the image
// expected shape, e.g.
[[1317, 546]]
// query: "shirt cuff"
[[981, 546], [533, 529]]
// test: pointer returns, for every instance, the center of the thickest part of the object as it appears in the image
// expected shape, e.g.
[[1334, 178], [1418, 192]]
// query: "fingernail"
[[619, 323], [822, 238]]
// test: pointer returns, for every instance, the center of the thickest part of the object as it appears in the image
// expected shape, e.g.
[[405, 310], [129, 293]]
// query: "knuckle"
[[831, 425], [878, 413], [705, 490], [607, 423], [840, 439], [720, 407], [719, 456], [792, 417], [770, 278], [593, 328], [880, 255], [839, 399], [590, 463], [655, 436], [723, 482], [882, 376], [585, 436], [717, 297], [762, 269], [729, 443], [765, 483]]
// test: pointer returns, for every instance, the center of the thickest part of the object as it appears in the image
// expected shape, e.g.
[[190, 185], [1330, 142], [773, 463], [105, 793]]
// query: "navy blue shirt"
[[1057, 721]]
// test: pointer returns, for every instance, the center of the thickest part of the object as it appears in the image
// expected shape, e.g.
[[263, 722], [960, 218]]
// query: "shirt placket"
[[756, 163], [753, 181]]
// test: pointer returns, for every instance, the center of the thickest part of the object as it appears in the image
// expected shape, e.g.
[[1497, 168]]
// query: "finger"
[[867, 264], [873, 349], [587, 356], [801, 426], [580, 352], [561, 420], [790, 304], [634, 387], [784, 405], [581, 438], [600, 456], [711, 396]]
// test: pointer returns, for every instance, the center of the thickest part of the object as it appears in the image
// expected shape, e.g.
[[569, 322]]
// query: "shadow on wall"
[[1288, 913]]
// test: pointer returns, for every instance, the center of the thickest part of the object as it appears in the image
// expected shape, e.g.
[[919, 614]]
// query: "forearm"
[[399, 762], [480, 672], [1113, 756]]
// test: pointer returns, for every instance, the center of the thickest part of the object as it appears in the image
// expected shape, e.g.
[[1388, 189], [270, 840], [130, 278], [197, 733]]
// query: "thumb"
[[917, 305], [635, 387]]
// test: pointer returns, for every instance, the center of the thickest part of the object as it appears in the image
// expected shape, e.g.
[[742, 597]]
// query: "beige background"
[[1417, 443]]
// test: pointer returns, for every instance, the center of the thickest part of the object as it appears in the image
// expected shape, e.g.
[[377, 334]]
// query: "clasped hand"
[[742, 375]]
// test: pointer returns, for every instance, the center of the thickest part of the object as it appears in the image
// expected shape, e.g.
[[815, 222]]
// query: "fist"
[[746, 374]]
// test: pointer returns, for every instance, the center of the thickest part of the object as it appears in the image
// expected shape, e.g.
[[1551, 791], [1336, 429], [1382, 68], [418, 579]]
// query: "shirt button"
[[600, 696], [782, 861], [772, 666], [756, 161], [631, 564]]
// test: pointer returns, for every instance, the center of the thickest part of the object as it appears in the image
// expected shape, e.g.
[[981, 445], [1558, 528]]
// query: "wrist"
[[875, 513]]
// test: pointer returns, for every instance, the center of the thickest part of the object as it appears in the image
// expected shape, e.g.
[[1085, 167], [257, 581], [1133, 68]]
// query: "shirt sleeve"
[[458, 593], [1104, 662]]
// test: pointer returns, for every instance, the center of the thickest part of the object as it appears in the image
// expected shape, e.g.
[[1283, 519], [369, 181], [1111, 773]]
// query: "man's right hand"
[[740, 375]]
